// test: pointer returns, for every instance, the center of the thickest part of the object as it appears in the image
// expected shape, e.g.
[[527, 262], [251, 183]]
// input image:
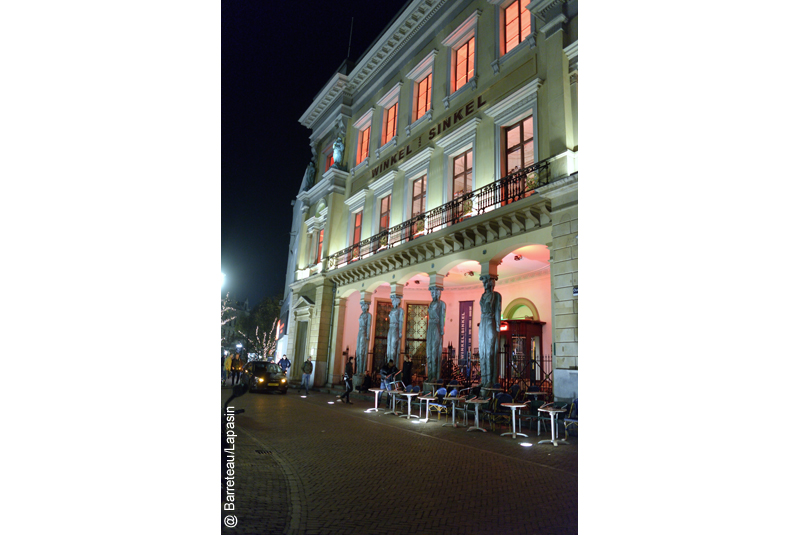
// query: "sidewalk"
[[314, 465]]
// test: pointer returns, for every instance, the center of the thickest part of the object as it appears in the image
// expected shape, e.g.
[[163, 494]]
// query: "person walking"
[[284, 364], [308, 367], [348, 381], [236, 369]]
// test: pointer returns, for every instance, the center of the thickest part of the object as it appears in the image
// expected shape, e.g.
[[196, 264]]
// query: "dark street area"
[[303, 465]]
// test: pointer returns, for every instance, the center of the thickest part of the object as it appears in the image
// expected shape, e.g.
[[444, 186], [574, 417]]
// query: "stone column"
[[362, 360], [335, 360]]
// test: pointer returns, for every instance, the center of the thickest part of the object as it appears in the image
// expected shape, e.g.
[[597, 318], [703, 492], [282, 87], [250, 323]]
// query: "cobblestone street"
[[306, 466]]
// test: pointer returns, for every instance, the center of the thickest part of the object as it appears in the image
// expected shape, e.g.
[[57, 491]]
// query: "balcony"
[[462, 217]]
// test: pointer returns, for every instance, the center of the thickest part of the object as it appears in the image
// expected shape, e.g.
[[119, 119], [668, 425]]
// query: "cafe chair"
[[571, 419], [497, 413], [517, 394], [463, 408], [439, 406], [533, 415]]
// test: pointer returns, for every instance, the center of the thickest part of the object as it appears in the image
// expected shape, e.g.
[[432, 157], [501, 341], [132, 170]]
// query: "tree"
[[228, 317], [259, 327]]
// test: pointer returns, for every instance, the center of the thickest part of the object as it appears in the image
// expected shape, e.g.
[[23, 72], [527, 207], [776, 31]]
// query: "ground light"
[[525, 444], [330, 403]]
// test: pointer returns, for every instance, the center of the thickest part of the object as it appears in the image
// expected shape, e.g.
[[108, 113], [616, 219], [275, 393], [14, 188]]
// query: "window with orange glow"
[[357, 227], [319, 246], [386, 207], [389, 124], [519, 145], [363, 145], [516, 25], [462, 173], [464, 64], [329, 161], [418, 196], [423, 102]]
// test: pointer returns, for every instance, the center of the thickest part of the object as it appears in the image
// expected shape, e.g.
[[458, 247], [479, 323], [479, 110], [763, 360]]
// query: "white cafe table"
[[409, 395], [514, 407], [394, 410], [477, 402], [377, 393], [535, 394], [427, 399], [454, 400], [553, 411]]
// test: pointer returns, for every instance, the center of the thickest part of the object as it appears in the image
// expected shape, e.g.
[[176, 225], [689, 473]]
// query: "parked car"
[[262, 376]]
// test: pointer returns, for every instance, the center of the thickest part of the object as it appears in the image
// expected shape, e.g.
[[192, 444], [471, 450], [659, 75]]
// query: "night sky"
[[275, 58]]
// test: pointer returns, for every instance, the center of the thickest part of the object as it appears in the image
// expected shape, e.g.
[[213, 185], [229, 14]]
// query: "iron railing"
[[516, 185]]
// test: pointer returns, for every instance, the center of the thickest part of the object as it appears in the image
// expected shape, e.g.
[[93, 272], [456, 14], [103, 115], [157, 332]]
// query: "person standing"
[[284, 364], [308, 367], [387, 376], [228, 361], [407, 365], [348, 381]]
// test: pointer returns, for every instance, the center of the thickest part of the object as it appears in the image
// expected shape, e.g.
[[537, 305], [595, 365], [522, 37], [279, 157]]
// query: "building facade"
[[457, 158]]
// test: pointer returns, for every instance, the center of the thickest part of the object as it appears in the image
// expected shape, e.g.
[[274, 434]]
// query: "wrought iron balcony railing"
[[516, 185]]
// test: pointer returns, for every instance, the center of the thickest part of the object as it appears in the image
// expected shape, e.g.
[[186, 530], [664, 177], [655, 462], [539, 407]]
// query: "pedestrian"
[[308, 367], [407, 364], [348, 381], [284, 364], [236, 369], [228, 361], [387, 376]]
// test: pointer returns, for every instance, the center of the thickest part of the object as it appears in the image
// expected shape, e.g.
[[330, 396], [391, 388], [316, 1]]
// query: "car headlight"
[[283, 380], [260, 380]]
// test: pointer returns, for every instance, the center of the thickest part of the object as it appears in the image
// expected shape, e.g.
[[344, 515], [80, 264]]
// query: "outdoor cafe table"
[[394, 411], [427, 400], [534, 394], [553, 411], [514, 407], [454, 400], [477, 402], [493, 391], [409, 395], [377, 393]]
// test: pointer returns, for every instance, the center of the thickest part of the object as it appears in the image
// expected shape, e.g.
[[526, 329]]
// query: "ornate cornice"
[[540, 8], [329, 93]]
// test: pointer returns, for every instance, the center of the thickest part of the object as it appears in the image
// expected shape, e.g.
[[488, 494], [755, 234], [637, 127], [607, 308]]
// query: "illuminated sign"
[[441, 127]]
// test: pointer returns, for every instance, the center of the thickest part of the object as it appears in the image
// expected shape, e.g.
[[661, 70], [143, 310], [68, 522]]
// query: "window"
[[357, 227], [422, 102], [329, 161], [319, 246], [363, 145], [386, 206], [462, 42], [464, 64], [515, 25], [389, 124], [418, 195], [462, 173], [422, 94], [519, 145]]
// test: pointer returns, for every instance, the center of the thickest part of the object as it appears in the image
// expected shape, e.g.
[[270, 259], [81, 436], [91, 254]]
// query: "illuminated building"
[[460, 130]]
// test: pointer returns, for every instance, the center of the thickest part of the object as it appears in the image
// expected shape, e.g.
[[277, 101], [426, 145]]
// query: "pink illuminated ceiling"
[[531, 258]]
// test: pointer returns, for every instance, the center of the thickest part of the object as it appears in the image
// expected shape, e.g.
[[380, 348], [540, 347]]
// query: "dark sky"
[[276, 56]]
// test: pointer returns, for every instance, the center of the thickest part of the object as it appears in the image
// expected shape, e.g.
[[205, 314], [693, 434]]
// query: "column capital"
[[436, 280]]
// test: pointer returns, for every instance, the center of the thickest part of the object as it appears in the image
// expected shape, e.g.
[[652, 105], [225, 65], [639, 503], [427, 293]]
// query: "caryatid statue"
[[338, 153], [436, 313], [308, 177], [395, 329], [364, 322], [489, 333]]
